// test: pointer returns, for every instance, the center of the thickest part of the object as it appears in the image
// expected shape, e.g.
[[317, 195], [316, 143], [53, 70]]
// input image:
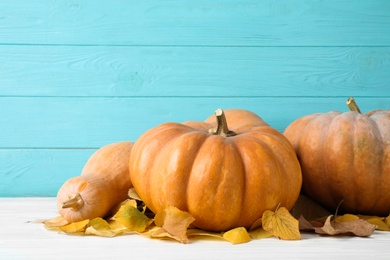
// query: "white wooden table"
[[22, 238]]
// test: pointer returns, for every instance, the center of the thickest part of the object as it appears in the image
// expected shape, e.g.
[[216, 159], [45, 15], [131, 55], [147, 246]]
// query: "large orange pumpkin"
[[224, 179], [345, 159]]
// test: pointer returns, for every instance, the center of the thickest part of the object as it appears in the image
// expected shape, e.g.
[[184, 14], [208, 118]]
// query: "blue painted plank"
[[92, 122], [37, 172], [202, 22], [193, 71]]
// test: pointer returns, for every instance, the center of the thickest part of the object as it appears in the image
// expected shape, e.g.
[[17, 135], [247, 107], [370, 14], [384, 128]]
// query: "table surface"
[[22, 237]]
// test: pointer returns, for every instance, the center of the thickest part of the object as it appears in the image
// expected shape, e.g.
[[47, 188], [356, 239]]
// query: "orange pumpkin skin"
[[223, 182], [345, 157]]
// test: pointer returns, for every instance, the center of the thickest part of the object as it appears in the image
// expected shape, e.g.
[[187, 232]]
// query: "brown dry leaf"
[[132, 218], [256, 224], [260, 233], [75, 227], [101, 227], [173, 223], [281, 224], [237, 236], [358, 227]]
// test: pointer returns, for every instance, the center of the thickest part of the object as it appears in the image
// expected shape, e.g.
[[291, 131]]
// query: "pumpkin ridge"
[[155, 167]]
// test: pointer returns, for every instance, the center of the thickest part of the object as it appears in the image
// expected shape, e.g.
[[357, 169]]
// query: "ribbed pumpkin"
[[345, 159], [224, 179]]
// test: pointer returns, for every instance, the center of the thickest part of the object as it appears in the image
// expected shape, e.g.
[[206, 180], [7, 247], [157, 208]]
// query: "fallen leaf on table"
[[75, 227], [237, 235], [55, 223], [281, 224], [379, 222], [346, 218], [101, 227], [260, 233], [173, 223], [358, 227], [132, 218]]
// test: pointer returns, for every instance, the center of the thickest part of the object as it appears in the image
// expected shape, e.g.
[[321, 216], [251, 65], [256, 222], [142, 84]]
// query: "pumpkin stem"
[[351, 103], [222, 127], [74, 201]]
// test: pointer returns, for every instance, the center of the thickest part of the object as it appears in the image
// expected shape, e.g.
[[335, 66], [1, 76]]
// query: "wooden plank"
[[22, 239], [39, 172], [58, 122], [193, 23], [193, 71]]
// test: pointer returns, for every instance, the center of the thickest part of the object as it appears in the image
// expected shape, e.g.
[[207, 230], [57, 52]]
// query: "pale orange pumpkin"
[[224, 179], [345, 159], [104, 182]]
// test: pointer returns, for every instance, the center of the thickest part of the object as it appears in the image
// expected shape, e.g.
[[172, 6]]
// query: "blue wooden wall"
[[76, 75]]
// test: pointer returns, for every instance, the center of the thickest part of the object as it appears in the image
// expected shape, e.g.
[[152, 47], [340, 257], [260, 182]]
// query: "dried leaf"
[[132, 218], [133, 194], [281, 224], [358, 227], [100, 227], [304, 224], [173, 223], [260, 233], [75, 227], [379, 223], [387, 220], [256, 224], [199, 232], [237, 236], [55, 223], [346, 218]]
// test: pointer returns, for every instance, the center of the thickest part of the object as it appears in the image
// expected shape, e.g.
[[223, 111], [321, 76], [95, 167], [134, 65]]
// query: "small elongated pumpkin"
[[224, 179], [345, 159], [103, 183]]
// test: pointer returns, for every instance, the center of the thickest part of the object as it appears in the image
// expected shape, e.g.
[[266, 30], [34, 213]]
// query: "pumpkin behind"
[[345, 159]]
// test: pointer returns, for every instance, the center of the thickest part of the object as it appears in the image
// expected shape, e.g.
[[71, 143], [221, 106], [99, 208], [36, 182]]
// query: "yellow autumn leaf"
[[193, 232], [173, 223], [387, 220], [132, 218], [237, 235], [75, 227], [55, 223], [101, 227], [281, 224], [380, 224], [259, 233], [346, 218]]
